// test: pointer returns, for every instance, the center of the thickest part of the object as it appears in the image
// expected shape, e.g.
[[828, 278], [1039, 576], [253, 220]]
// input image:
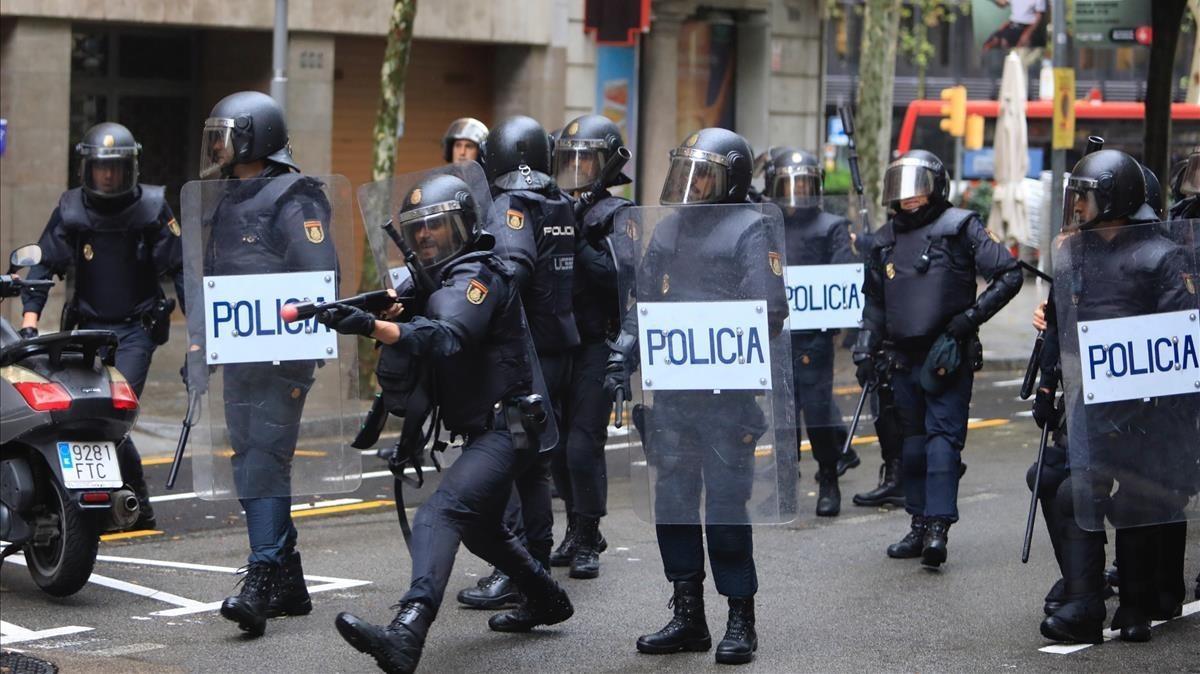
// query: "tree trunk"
[[1166, 15], [392, 76], [876, 73]]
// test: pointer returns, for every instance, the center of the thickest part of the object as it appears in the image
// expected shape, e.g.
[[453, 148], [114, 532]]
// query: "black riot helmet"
[[1104, 186], [1189, 175], [517, 155], [1154, 195], [437, 222], [242, 128], [917, 173], [464, 128], [794, 178], [108, 165], [582, 149], [712, 166]]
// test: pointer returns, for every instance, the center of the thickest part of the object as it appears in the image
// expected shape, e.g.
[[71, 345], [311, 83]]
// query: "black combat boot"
[[565, 551], [549, 605], [847, 461], [1055, 597], [740, 640], [889, 491], [397, 647], [1079, 621], [937, 530], [248, 608], [586, 563], [687, 630], [290, 594], [145, 519], [913, 542], [829, 496], [492, 592]]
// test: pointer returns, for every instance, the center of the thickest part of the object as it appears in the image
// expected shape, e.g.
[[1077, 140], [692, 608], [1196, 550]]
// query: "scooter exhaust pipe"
[[124, 511]]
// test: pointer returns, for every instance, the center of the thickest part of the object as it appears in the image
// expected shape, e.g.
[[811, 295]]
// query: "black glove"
[[1044, 410], [621, 362], [961, 327], [27, 333], [347, 320], [865, 372], [183, 373]]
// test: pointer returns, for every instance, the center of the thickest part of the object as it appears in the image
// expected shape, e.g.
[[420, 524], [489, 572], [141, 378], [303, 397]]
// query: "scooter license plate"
[[87, 465]]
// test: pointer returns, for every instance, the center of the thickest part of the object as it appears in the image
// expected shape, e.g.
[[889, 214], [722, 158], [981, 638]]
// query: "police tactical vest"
[[114, 254], [810, 239], [548, 298], [696, 263], [1122, 277], [919, 304], [244, 237], [596, 305]]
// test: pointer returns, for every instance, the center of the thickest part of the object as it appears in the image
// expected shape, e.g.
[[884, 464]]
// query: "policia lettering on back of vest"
[[469, 329], [922, 310], [535, 220], [118, 238]]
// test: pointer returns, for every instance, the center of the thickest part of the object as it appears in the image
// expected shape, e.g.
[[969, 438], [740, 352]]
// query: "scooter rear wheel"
[[62, 566]]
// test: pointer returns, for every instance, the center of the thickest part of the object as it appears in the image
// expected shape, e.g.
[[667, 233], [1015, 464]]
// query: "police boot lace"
[[491, 592], [396, 648], [910, 546], [249, 607], [290, 594], [687, 629], [586, 562], [936, 534], [565, 551], [740, 640], [548, 608]]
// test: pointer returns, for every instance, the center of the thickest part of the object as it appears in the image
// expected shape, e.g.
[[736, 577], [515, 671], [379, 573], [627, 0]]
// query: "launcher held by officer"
[[264, 217], [469, 329], [922, 318], [795, 181], [118, 239]]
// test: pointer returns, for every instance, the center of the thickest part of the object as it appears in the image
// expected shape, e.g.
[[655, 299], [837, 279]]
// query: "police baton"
[[1035, 356], [189, 420], [862, 399], [619, 399], [1037, 484]]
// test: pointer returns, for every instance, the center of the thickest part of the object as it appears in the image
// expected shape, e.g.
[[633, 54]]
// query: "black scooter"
[[64, 409]]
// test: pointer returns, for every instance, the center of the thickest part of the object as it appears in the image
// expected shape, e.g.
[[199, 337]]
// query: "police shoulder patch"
[[891, 270], [174, 227], [1189, 282], [476, 292], [631, 230], [992, 235], [514, 219], [776, 262], [314, 231], [88, 252]]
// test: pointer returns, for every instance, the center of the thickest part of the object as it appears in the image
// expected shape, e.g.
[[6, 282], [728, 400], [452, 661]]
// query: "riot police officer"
[[470, 329], [582, 152], [700, 439], [1186, 188], [1119, 265], [117, 238], [270, 218], [795, 181], [533, 213], [922, 316], [463, 140]]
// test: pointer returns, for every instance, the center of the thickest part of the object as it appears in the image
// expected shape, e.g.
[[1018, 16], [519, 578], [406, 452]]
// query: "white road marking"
[[325, 504], [1109, 635], [1008, 382], [131, 588], [15, 634], [128, 649], [173, 497]]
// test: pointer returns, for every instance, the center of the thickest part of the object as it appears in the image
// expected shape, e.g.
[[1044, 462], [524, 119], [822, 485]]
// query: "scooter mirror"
[[26, 256]]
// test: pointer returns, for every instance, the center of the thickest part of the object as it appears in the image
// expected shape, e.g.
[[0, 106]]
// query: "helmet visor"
[[109, 172], [577, 165], [434, 236], [799, 187], [906, 181], [1080, 208], [1190, 183], [693, 179], [216, 147]]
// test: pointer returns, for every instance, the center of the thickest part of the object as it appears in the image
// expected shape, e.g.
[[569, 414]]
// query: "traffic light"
[[954, 110], [974, 137]]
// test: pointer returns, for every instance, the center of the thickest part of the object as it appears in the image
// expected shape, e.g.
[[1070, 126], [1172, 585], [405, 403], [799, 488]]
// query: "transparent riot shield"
[[382, 201], [272, 402], [824, 279], [1129, 326], [713, 390]]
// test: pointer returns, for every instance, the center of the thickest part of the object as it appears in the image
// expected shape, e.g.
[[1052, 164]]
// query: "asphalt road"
[[829, 601]]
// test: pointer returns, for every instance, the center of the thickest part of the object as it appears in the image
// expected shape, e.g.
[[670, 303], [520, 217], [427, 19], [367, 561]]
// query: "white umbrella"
[[1009, 217]]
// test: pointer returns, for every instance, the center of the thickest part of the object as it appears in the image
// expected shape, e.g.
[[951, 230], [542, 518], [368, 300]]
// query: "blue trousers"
[[134, 351], [935, 431]]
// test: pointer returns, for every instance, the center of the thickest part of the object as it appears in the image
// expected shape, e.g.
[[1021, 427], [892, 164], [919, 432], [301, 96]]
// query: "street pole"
[[958, 167], [279, 51], [1058, 158]]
